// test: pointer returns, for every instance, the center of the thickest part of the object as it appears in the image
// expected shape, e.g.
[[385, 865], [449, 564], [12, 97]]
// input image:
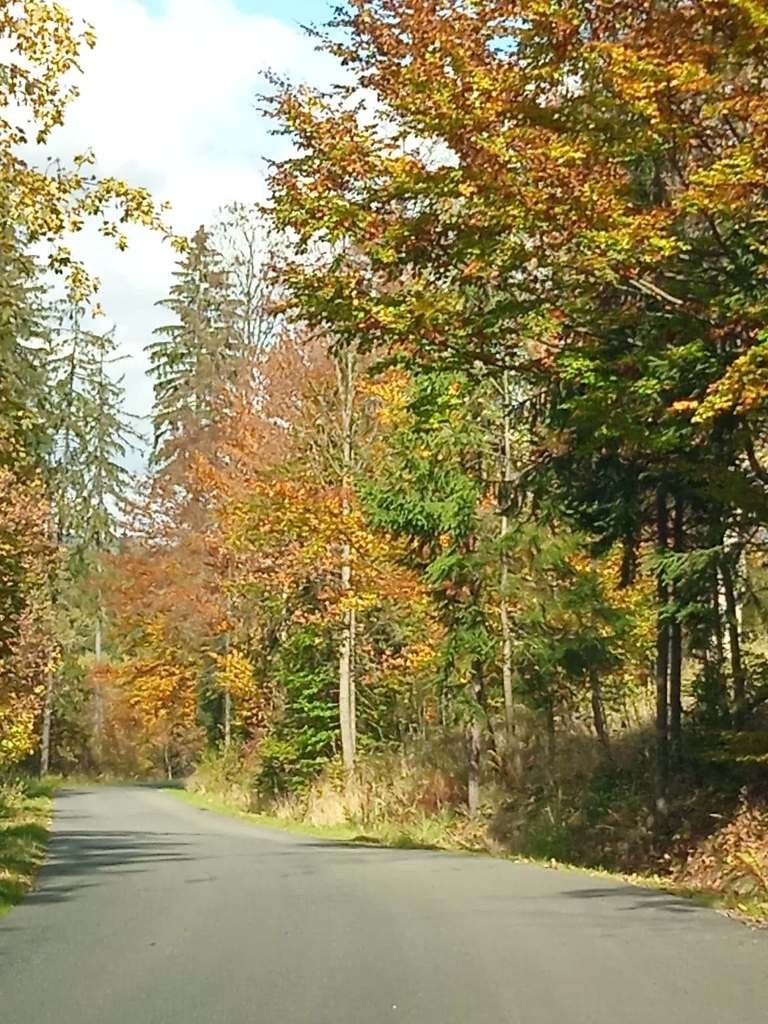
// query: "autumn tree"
[[576, 205], [39, 84], [43, 202]]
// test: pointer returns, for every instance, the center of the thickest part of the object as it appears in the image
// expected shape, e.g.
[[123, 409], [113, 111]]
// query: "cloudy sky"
[[167, 101]]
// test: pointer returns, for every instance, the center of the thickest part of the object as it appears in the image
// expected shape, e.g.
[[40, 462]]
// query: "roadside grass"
[[344, 833], [78, 779], [426, 834], [25, 816], [435, 833]]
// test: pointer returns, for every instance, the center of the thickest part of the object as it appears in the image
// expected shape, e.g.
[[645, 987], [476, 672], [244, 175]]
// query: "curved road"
[[152, 912]]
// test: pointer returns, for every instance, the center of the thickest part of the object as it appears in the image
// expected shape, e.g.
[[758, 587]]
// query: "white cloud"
[[167, 101]]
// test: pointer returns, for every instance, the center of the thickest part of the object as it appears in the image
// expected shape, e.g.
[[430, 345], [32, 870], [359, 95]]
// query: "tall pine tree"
[[196, 355]]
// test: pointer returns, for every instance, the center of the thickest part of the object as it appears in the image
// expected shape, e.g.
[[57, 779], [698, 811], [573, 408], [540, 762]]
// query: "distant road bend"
[[152, 912]]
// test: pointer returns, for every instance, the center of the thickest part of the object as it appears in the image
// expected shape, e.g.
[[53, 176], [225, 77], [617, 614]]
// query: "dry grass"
[[583, 809]]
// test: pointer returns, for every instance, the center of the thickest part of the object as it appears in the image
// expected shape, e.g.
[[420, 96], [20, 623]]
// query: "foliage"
[[25, 811], [460, 444], [28, 653], [37, 86]]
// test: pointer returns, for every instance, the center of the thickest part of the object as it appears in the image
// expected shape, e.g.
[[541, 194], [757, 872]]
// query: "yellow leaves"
[[235, 676], [45, 204], [160, 684], [18, 727], [755, 10], [727, 183], [391, 391], [743, 389]]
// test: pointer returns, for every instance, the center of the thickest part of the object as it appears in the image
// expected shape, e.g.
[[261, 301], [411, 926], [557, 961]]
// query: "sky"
[[167, 101]]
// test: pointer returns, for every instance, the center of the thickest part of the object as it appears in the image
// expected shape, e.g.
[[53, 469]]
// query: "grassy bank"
[[434, 835], [205, 802], [585, 811], [25, 816]]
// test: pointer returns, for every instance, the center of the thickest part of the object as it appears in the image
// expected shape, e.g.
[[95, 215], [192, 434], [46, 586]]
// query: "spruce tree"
[[92, 436], [23, 339], [196, 355]]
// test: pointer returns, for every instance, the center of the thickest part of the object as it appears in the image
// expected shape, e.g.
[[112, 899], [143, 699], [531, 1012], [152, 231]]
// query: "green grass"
[[25, 815], [426, 835], [344, 833], [431, 835]]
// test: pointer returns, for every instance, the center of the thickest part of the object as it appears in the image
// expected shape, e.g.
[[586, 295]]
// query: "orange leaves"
[[28, 648], [291, 532]]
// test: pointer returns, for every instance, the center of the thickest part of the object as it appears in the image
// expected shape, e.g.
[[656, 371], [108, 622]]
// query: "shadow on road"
[[642, 899], [75, 860]]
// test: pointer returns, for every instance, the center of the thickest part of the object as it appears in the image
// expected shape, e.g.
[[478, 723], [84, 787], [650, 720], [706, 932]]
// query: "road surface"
[[150, 911]]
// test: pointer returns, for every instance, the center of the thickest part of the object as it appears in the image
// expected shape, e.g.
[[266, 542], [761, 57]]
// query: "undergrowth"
[[25, 814], [585, 808]]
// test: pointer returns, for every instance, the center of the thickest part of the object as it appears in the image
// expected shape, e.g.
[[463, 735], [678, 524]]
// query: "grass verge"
[[25, 816], [747, 910], [428, 835], [344, 833]]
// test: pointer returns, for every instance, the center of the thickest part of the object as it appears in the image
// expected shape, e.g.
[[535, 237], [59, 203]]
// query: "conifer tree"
[[92, 436], [195, 355], [23, 331]]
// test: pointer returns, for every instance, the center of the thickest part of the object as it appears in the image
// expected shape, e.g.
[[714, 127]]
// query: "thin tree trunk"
[[347, 701], [506, 626], [598, 712], [45, 739], [346, 687], [662, 669], [98, 696], [227, 719], [734, 643], [676, 650], [227, 708], [719, 652], [675, 692], [474, 744], [353, 676], [551, 735]]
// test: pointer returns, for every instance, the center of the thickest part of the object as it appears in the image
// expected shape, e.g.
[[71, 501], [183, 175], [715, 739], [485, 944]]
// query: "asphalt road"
[[152, 912]]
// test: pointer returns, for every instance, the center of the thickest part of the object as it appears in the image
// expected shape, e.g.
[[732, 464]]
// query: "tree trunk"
[[551, 735], [675, 692], [506, 626], [676, 649], [98, 696], [45, 738], [719, 641], [661, 779], [598, 712], [474, 738], [346, 685], [353, 676], [227, 719], [345, 367], [474, 743], [734, 643]]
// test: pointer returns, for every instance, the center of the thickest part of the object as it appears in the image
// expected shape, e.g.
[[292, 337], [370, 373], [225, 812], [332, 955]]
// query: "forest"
[[452, 524]]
